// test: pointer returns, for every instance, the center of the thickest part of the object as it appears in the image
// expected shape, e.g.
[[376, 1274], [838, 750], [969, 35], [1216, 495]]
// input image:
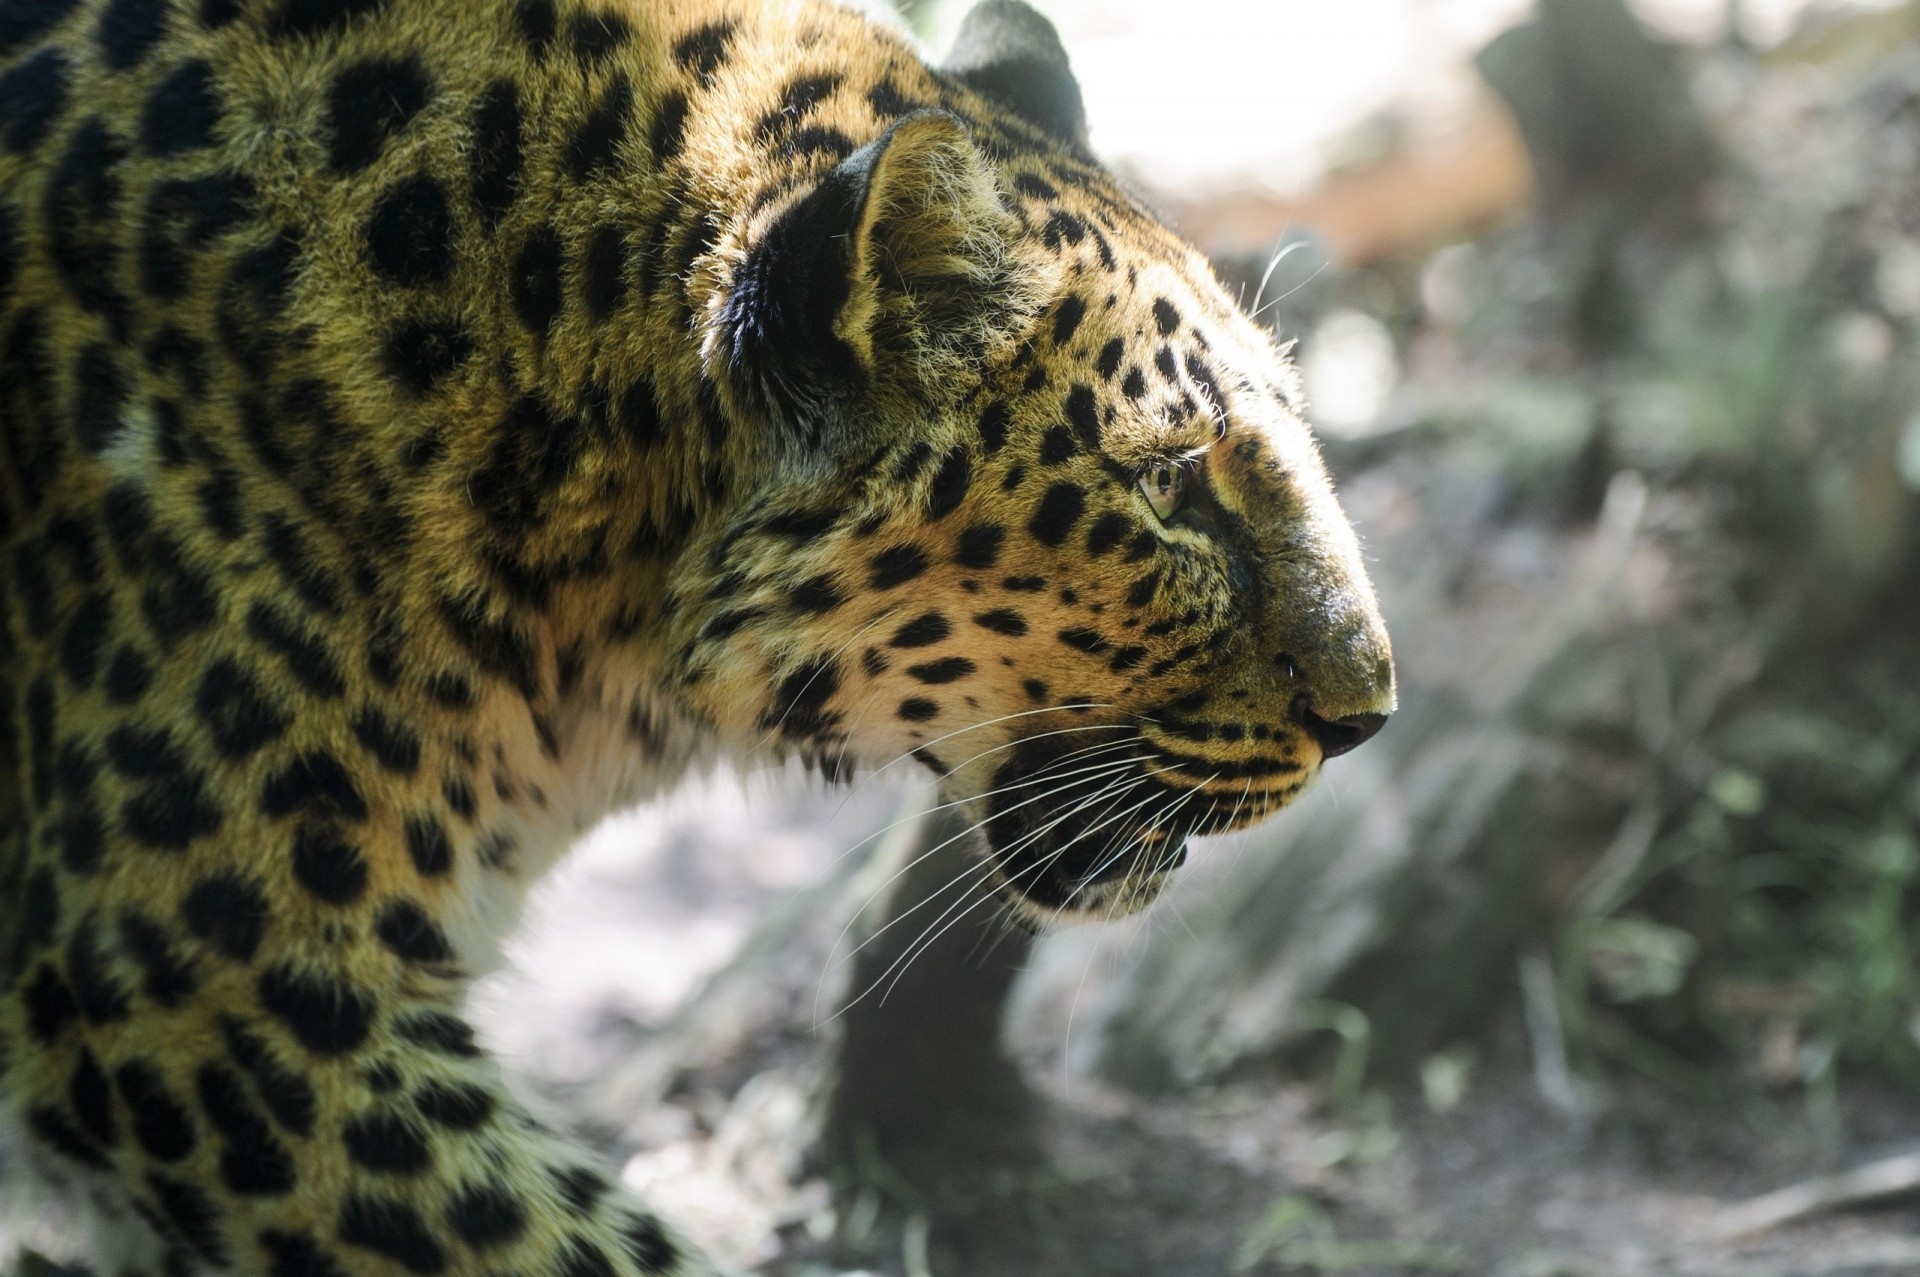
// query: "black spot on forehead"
[[370, 102], [296, 1254], [815, 595], [325, 1013], [328, 865], [1002, 621], [912, 462], [994, 418], [411, 934], [458, 1106], [603, 269], [428, 846], [391, 742], [83, 196], [535, 282], [595, 35], [1083, 414], [161, 1124], [1062, 228], [170, 975], [460, 797], [947, 669], [669, 127], [49, 1003], [128, 676], [703, 51], [595, 144], [1057, 446], [448, 1035], [410, 232], [922, 631], [32, 95], [1165, 317], [1082, 639], [9, 248], [536, 21], [1059, 509], [816, 140], [800, 96], [896, 566], [191, 1215], [1067, 317], [647, 1245], [24, 20], [182, 215], [391, 1229], [495, 174], [306, 655], [315, 782], [235, 710], [637, 414], [1035, 187], [287, 547], [382, 1141], [422, 353], [1203, 377], [979, 546], [100, 398], [128, 30], [298, 18], [1107, 262], [888, 102], [1107, 532], [228, 911], [950, 483], [91, 1099]]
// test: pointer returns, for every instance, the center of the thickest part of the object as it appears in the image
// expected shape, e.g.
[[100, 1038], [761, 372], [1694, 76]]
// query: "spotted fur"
[[425, 427]]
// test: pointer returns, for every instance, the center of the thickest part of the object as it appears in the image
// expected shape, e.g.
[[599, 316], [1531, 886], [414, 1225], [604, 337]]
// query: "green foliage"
[[1782, 905], [1351, 1026], [1297, 1233], [1822, 882]]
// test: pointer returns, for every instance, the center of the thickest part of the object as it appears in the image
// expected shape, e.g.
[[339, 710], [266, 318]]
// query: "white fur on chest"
[[613, 753]]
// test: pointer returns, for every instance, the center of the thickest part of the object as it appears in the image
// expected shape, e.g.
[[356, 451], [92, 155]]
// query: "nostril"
[[1337, 736]]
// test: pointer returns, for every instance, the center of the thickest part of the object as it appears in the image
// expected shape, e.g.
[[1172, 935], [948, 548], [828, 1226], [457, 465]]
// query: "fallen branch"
[[1867, 1183]]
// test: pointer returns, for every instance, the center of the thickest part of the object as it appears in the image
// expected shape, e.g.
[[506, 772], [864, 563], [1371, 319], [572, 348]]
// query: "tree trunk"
[[918, 1073]]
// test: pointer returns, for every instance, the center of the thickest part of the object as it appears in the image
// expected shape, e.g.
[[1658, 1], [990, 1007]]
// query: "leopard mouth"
[[1083, 830], [1089, 831]]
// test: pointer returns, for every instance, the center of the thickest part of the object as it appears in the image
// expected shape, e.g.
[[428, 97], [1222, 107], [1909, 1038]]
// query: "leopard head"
[[1044, 512]]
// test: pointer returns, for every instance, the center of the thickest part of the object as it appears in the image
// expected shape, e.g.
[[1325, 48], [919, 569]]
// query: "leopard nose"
[[1337, 736]]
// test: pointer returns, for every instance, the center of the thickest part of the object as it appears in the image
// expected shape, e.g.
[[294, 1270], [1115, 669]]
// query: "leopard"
[[426, 428]]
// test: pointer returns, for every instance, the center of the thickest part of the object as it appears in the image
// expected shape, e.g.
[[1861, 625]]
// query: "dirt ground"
[[1501, 1183]]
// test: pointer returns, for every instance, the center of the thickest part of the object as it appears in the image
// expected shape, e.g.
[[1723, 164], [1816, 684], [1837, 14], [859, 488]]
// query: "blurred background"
[[1601, 959]]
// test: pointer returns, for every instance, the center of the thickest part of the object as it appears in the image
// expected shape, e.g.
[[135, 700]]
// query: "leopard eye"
[[1164, 484]]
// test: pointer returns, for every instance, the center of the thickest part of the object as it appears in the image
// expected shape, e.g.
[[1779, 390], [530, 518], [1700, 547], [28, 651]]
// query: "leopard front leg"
[[311, 1111]]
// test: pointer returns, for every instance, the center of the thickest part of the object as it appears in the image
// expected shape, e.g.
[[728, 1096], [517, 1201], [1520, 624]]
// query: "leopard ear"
[[885, 283], [1007, 51]]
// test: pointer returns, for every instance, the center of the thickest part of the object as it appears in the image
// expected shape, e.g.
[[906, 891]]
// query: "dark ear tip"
[[1002, 31], [1010, 52]]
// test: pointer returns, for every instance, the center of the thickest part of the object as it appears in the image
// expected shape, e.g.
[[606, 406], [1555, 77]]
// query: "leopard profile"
[[427, 427]]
